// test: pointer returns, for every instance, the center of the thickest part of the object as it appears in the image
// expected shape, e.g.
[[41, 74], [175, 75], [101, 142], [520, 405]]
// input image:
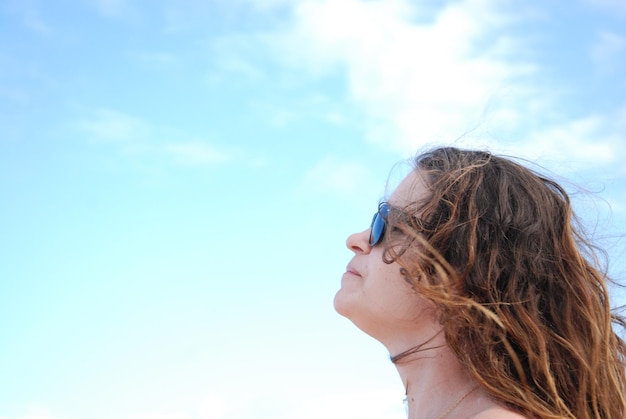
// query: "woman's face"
[[375, 296]]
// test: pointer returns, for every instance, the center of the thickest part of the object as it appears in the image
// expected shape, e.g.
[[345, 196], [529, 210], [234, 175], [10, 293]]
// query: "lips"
[[350, 270]]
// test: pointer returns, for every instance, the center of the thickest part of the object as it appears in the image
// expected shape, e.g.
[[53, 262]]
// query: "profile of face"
[[375, 296]]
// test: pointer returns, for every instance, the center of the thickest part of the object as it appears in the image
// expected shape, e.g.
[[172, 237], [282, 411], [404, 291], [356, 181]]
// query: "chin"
[[341, 304]]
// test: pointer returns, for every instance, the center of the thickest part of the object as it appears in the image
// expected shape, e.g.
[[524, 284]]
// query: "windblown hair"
[[520, 293]]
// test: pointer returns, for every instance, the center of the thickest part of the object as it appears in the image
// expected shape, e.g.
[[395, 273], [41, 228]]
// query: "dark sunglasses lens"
[[378, 225]]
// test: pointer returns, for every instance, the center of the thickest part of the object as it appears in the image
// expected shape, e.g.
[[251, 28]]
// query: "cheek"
[[388, 279], [398, 295], [393, 293]]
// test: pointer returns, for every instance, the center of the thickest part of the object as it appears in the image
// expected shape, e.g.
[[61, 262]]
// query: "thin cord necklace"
[[456, 403], [450, 408]]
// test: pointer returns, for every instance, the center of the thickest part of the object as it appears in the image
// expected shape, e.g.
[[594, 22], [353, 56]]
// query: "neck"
[[434, 380]]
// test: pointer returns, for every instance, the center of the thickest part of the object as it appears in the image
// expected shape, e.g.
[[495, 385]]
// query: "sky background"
[[177, 180]]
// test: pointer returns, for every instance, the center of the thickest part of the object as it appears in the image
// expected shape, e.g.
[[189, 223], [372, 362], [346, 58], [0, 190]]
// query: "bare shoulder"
[[497, 412]]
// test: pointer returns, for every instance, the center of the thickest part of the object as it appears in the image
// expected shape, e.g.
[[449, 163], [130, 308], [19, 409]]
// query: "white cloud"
[[591, 140], [112, 125], [416, 82], [430, 76], [588, 140], [415, 76]]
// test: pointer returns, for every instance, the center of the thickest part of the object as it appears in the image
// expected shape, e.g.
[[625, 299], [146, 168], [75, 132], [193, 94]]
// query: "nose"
[[359, 242]]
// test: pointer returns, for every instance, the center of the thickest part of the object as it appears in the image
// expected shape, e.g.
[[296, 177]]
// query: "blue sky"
[[177, 180]]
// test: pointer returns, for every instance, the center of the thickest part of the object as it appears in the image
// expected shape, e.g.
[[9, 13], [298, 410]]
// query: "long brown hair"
[[521, 296]]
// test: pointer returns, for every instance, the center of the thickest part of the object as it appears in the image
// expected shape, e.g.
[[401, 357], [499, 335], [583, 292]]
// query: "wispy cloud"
[[14, 95], [333, 175], [609, 52], [281, 112], [612, 6], [175, 415], [235, 57], [33, 416], [593, 140], [416, 82], [380, 404], [135, 138], [31, 16], [121, 9], [195, 154], [417, 75], [353, 405], [158, 57], [213, 406], [34, 413], [111, 125], [35, 22]]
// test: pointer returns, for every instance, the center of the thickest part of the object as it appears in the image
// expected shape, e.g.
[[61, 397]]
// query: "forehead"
[[412, 188]]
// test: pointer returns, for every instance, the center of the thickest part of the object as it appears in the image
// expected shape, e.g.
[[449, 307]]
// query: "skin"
[[377, 299]]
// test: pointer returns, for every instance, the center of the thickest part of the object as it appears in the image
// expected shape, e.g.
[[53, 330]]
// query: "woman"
[[477, 280]]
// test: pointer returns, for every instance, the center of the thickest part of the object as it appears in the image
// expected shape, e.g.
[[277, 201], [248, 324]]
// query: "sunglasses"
[[379, 222]]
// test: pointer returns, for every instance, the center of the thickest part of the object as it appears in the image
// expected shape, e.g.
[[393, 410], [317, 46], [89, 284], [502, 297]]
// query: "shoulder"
[[497, 412]]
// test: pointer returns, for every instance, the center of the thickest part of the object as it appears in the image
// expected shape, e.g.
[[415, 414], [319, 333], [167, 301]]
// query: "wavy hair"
[[520, 293]]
